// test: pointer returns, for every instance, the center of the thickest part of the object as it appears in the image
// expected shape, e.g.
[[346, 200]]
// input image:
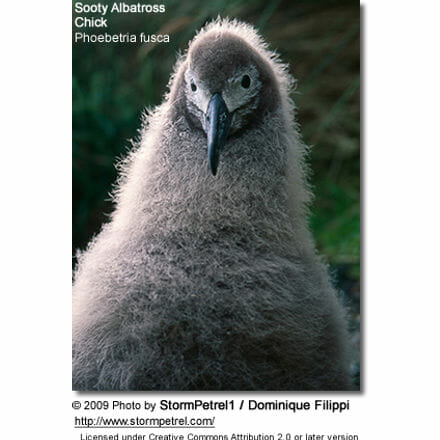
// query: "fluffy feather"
[[210, 283]]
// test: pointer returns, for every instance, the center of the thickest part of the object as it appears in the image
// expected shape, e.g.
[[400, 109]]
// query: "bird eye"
[[193, 86], [245, 81]]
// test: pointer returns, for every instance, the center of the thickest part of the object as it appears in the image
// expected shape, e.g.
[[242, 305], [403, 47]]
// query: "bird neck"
[[169, 184]]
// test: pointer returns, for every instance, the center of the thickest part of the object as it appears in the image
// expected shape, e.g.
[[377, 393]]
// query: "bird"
[[206, 275]]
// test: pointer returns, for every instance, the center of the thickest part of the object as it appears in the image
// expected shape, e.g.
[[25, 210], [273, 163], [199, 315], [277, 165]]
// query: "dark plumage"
[[206, 277]]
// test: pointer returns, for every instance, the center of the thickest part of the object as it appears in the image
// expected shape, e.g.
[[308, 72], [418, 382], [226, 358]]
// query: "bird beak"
[[217, 123]]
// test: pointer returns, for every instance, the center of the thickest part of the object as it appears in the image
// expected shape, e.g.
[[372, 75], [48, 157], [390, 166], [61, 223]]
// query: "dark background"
[[320, 39]]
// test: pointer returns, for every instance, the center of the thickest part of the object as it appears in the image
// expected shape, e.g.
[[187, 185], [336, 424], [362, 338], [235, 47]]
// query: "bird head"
[[228, 86]]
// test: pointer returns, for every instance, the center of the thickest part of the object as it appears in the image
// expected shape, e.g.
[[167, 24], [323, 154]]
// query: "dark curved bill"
[[217, 123]]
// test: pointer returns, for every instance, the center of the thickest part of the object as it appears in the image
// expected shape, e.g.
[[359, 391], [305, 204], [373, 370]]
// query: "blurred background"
[[320, 39]]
